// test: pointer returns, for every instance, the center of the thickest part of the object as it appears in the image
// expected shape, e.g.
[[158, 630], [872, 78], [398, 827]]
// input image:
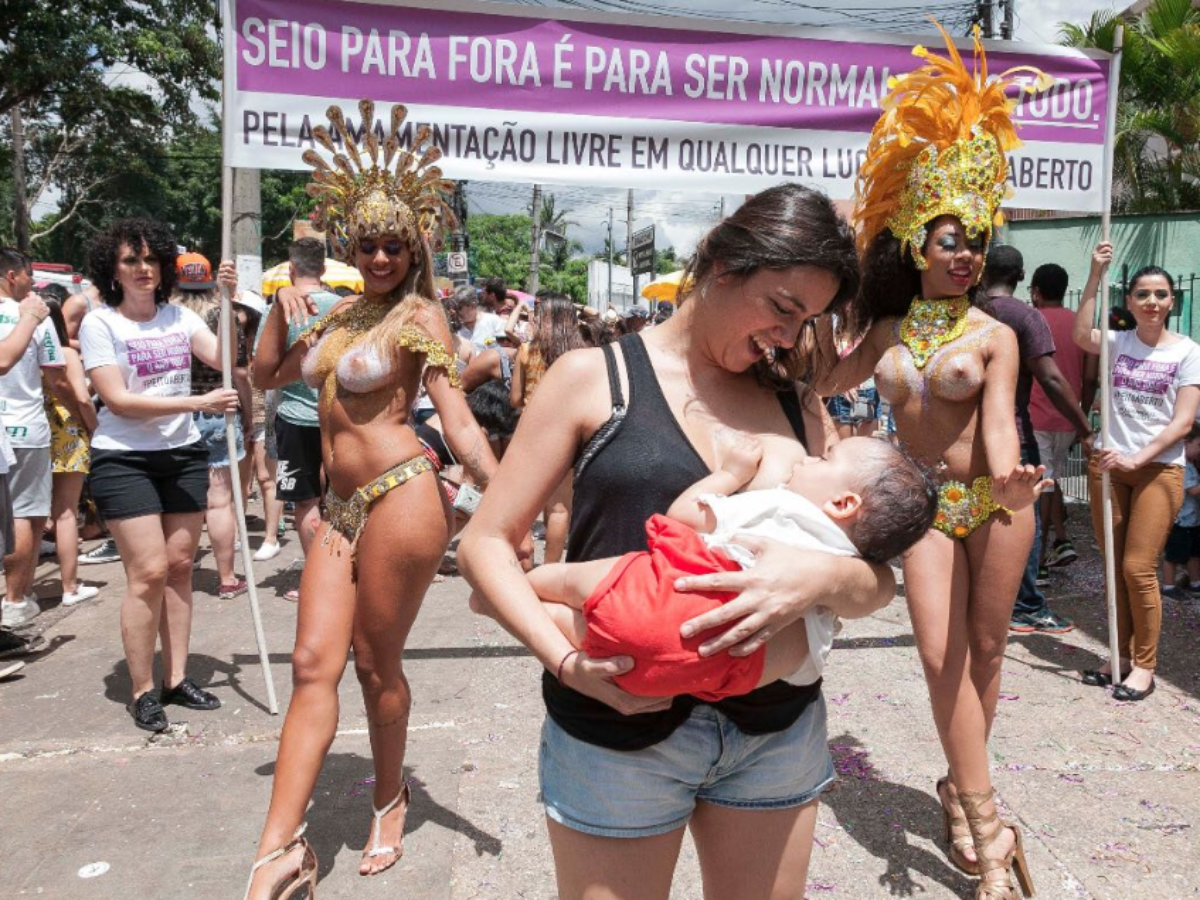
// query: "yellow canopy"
[[337, 275], [665, 287]]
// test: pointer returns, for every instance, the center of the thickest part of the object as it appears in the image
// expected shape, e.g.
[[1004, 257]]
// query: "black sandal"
[[1096, 678]]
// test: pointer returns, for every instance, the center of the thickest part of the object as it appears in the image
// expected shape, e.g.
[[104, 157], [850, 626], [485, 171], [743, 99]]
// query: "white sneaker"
[[13, 614], [82, 592], [267, 551], [7, 669]]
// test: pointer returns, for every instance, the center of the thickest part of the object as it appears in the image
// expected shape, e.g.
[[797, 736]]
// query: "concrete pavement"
[[93, 808]]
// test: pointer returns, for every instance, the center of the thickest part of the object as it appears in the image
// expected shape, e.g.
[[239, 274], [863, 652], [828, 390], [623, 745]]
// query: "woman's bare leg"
[[557, 516], [265, 469], [760, 854], [64, 512], [589, 867], [324, 624], [144, 558], [182, 533], [222, 524], [995, 578], [407, 534]]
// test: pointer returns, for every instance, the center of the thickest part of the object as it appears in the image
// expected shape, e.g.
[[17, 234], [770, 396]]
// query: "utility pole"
[[20, 211], [610, 255], [629, 242], [535, 241], [722, 219], [247, 228], [1007, 26], [986, 16]]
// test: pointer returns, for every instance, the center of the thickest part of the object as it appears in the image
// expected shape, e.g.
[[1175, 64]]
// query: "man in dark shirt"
[[1005, 270]]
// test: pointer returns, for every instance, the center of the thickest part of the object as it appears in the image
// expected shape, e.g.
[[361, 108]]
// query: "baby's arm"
[[738, 457]]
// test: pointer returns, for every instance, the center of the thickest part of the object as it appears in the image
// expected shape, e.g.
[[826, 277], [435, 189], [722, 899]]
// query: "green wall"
[[1170, 241]]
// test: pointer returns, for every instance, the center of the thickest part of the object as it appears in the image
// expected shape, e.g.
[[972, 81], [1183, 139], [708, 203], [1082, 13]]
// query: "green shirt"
[[297, 401]]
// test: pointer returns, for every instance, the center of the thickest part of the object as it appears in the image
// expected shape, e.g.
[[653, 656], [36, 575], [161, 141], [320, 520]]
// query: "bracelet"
[[562, 662]]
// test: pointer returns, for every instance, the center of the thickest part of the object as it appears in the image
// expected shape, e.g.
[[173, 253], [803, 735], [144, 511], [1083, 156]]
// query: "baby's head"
[[875, 492]]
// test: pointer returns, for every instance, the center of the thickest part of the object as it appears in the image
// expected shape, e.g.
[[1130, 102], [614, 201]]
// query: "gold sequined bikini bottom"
[[962, 509], [349, 517]]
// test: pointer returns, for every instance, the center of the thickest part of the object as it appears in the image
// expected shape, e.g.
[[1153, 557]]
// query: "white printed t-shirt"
[[782, 515], [1145, 382], [488, 327], [21, 395], [155, 360]]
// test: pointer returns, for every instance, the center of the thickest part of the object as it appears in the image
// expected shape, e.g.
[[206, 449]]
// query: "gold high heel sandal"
[[305, 876], [985, 830], [957, 832]]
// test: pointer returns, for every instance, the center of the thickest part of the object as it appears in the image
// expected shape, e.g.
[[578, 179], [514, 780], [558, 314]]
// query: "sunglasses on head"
[[1145, 293], [391, 248]]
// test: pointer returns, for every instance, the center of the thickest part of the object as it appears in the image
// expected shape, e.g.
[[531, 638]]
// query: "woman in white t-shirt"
[[149, 469], [1155, 394]]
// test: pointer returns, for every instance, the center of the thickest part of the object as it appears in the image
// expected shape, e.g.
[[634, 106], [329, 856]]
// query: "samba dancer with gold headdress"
[[385, 522], [928, 201]]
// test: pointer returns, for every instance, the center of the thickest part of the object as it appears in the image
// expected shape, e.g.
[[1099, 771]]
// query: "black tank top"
[[634, 466]]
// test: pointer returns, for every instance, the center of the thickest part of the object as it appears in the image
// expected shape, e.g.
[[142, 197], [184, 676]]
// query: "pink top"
[[1069, 358]]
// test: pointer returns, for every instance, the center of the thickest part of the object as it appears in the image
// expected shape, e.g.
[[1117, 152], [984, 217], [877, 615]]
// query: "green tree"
[[667, 261], [101, 84], [1157, 154], [500, 246]]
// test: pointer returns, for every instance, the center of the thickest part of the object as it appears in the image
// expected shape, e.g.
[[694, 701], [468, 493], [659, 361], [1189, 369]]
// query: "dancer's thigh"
[[996, 552], [326, 615], [399, 552], [936, 585]]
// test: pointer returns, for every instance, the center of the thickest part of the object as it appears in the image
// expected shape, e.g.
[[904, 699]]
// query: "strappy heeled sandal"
[[376, 826], [985, 830], [958, 834], [305, 876]]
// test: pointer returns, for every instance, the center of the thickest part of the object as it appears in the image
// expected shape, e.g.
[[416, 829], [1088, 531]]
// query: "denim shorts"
[[640, 793], [212, 436]]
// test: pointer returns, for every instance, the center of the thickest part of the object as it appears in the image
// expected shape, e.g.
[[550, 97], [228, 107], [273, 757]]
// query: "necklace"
[[930, 324]]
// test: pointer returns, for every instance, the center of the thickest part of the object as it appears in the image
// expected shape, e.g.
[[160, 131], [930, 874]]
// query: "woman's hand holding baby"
[[1021, 487]]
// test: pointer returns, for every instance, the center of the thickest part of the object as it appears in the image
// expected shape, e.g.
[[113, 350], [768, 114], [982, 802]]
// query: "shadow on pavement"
[[880, 815], [340, 815]]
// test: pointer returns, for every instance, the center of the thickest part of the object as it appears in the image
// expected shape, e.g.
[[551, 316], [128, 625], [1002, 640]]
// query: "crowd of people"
[[718, 486]]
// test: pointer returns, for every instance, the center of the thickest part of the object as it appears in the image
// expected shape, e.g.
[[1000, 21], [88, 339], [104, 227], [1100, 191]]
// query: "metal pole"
[[535, 263], [629, 242], [227, 364], [610, 255], [1008, 26], [1110, 563]]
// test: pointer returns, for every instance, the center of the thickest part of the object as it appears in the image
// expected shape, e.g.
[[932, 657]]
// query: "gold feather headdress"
[[939, 149], [366, 197]]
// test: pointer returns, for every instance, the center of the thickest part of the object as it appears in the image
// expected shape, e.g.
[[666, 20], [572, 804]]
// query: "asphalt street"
[[1107, 792]]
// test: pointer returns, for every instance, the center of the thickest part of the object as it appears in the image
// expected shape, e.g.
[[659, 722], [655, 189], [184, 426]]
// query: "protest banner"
[[514, 93]]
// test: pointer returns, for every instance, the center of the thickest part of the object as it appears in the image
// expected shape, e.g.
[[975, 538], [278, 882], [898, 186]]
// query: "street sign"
[[456, 262], [641, 252]]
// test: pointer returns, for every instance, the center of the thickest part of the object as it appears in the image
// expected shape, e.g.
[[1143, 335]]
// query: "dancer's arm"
[[467, 441], [856, 366], [276, 364]]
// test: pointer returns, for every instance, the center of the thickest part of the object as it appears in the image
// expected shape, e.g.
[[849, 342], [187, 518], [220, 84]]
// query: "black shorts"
[[298, 477], [1183, 543], [128, 483]]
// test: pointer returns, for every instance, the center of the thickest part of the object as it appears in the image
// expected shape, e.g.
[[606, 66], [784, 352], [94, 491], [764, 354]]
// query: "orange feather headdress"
[[939, 149], [364, 198]]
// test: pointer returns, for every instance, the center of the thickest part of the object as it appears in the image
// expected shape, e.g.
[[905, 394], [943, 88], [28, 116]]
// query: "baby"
[[864, 498]]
